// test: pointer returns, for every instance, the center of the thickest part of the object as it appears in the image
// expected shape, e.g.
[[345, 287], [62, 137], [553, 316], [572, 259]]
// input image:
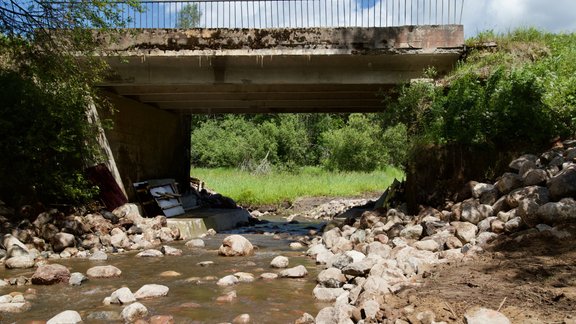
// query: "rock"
[[485, 238], [195, 243], [517, 163], [268, 275], [481, 188], [557, 212], [14, 247], [327, 294], [150, 253], [76, 279], [61, 241], [378, 248], [297, 245], [466, 232], [369, 219], [227, 281], [295, 272], [119, 239], [19, 262], [15, 307], [513, 225], [129, 212], [535, 193], [107, 271], [485, 316], [497, 226], [105, 316], [122, 296], [563, 184], [50, 274], [412, 232], [358, 268], [236, 245], [473, 212], [324, 257], [484, 225], [305, 319], [331, 278], [227, 298], [244, 276], [168, 250], [370, 308], [279, 262], [98, 256], [331, 237], [66, 317], [242, 319], [508, 182], [151, 291], [326, 316], [133, 312], [205, 263], [535, 177], [427, 245], [162, 319], [359, 236]]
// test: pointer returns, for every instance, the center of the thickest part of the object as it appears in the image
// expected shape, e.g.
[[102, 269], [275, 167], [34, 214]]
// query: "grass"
[[277, 187]]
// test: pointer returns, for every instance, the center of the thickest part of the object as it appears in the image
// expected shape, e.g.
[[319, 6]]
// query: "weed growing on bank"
[[250, 189]]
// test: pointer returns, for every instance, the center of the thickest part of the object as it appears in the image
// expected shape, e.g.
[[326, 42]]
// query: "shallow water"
[[192, 298]]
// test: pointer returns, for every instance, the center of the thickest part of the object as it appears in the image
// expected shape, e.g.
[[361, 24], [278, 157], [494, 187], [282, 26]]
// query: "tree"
[[189, 16], [47, 89]]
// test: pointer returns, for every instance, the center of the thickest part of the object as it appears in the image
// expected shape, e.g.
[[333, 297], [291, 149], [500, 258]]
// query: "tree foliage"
[[46, 90], [189, 16]]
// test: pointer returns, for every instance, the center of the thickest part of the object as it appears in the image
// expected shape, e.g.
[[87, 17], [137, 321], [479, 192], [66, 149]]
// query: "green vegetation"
[[189, 16], [263, 143], [46, 94], [277, 187], [523, 91]]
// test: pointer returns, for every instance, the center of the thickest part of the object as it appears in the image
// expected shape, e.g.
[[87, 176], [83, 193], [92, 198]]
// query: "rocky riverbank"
[[381, 259]]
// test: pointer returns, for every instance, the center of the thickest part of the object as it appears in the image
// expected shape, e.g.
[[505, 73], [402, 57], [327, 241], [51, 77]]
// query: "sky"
[[475, 15], [504, 15]]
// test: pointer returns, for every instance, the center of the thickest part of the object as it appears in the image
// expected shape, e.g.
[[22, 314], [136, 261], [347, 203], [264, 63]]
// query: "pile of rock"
[[332, 208], [52, 235], [383, 252]]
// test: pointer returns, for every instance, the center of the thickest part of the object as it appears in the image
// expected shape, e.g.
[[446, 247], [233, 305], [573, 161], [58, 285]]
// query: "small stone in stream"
[[205, 263], [268, 275], [150, 253], [133, 312], [242, 319], [162, 319], [151, 291], [244, 276], [305, 319], [170, 273], [279, 262], [66, 317], [227, 298], [195, 243], [50, 274], [168, 250], [107, 271], [19, 262], [76, 279], [227, 281], [296, 245], [105, 316], [236, 245], [295, 272], [122, 296], [15, 307], [479, 315], [98, 256]]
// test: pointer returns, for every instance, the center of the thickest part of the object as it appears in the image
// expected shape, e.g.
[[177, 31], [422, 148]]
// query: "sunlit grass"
[[278, 187]]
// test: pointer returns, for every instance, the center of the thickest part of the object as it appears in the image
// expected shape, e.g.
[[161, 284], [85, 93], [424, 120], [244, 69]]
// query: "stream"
[[193, 293]]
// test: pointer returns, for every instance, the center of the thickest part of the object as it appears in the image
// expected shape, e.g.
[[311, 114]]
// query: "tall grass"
[[277, 187]]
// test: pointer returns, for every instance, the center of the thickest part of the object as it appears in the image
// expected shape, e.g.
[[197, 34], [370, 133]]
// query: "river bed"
[[192, 295]]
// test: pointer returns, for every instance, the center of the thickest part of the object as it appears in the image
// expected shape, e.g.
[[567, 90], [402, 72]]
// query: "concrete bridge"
[[161, 76]]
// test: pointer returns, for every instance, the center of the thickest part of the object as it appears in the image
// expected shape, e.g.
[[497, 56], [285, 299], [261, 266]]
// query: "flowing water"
[[192, 295]]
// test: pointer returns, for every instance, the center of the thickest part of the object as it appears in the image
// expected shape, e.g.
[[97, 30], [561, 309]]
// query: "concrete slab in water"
[[198, 221]]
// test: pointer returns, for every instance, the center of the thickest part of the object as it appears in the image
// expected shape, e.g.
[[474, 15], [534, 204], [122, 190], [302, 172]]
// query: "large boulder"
[[331, 278], [295, 272], [236, 245], [50, 274], [20, 262], [508, 182], [14, 247], [130, 213], [122, 296], [280, 262], [465, 231], [473, 212], [61, 241], [557, 212], [563, 185]]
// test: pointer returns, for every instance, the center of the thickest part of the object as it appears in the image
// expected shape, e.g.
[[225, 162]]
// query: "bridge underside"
[[163, 76], [255, 71]]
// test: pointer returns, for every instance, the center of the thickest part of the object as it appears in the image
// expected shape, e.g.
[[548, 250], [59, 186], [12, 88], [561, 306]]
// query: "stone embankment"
[[370, 259]]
